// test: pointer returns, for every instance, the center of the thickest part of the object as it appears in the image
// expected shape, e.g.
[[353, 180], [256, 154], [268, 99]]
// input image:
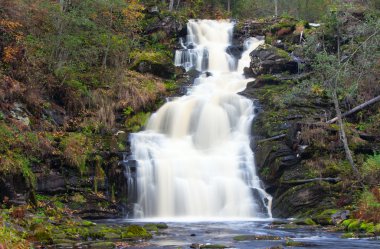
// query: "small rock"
[[340, 216]]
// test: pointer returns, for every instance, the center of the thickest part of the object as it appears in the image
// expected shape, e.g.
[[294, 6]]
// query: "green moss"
[[156, 57], [367, 227], [42, 234], [282, 53], [76, 148], [310, 222], [103, 245], [137, 122], [135, 231], [87, 223], [171, 85], [151, 227], [348, 235], [376, 229], [283, 24], [162, 226], [214, 246], [347, 222], [354, 226], [293, 243]]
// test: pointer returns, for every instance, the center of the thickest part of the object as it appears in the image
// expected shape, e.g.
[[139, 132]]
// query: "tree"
[[341, 69], [275, 7]]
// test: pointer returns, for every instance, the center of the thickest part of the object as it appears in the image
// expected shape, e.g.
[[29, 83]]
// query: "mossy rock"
[[155, 226], [376, 229], [348, 236], [136, 232], [325, 218], [151, 227], [307, 221], [367, 227], [41, 233], [58, 235], [64, 241], [347, 222], [112, 236], [293, 243], [214, 246], [88, 223], [256, 237], [103, 245], [354, 226], [162, 226]]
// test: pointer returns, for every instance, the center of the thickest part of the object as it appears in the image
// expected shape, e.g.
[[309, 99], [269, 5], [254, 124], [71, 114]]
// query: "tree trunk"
[[358, 108], [104, 63], [276, 8], [171, 4], [229, 5], [342, 132]]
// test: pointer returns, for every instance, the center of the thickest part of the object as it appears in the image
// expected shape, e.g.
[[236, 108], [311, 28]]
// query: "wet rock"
[[251, 28], [235, 51], [256, 237], [20, 113], [216, 246], [299, 198], [55, 114], [340, 216], [51, 183], [103, 245], [161, 70], [15, 189], [292, 243], [171, 26], [267, 59], [195, 246]]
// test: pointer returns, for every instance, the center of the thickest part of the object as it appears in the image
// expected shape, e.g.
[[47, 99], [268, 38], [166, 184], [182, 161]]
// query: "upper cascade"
[[194, 158]]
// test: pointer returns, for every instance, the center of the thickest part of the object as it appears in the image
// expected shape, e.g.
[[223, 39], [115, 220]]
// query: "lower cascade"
[[194, 159]]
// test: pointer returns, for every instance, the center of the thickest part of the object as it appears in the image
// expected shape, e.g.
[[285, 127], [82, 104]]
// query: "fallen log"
[[358, 108], [272, 138], [327, 179]]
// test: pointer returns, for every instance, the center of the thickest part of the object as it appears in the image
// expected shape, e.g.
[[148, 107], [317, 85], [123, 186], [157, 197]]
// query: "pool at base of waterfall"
[[249, 234]]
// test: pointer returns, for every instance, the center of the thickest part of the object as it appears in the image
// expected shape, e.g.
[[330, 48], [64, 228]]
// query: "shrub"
[[76, 149], [369, 205], [371, 169]]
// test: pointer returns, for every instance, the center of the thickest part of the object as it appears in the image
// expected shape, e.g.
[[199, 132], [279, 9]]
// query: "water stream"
[[194, 158]]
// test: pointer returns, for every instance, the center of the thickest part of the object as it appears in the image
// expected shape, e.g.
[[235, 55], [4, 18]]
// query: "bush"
[[369, 205], [76, 149], [371, 170]]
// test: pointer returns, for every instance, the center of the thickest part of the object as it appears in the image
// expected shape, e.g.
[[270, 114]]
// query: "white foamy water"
[[194, 158]]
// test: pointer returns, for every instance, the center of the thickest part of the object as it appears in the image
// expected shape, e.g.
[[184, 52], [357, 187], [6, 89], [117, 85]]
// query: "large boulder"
[[154, 62], [267, 59]]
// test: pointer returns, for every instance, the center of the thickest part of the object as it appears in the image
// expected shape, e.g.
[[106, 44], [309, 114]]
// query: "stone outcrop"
[[267, 59]]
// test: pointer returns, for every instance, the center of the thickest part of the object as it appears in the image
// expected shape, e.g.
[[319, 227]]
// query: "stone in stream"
[[256, 237], [201, 246]]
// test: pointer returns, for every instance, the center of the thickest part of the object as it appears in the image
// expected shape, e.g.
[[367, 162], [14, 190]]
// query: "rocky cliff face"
[[300, 158]]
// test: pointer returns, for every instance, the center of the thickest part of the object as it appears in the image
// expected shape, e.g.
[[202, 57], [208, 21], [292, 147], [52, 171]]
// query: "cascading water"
[[194, 158]]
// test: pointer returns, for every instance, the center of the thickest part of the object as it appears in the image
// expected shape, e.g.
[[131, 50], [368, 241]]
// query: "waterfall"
[[194, 157]]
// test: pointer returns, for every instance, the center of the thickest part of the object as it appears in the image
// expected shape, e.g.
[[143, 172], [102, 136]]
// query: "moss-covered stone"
[[103, 245], [136, 232], [293, 243], [349, 235], [354, 226], [216, 246]]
